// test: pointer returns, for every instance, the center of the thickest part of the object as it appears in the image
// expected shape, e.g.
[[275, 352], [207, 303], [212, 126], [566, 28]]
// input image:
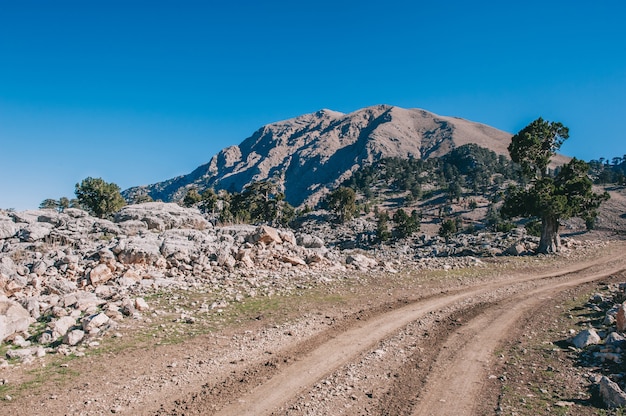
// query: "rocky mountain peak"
[[312, 153]]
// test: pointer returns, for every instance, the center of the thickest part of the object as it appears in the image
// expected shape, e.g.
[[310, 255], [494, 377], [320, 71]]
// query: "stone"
[[73, 337], [614, 339], [8, 229], [141, 305], [612, 395], [266, 235], [144, 250], [13, 318], [31, 304], [586, 337], [95, 321], [293, 260], [288, 237], [87, 300], [62, 325], [310, 241], [21, 354], [162, 216], [35, 232], [516, 250], [100, 274], [361, 261], [61, 286], [132, 227]]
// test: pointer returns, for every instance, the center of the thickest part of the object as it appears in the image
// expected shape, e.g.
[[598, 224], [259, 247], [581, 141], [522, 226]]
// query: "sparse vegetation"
[[100, 198]]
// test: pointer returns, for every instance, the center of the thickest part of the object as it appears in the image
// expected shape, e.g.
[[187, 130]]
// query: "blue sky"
[[140, 91]]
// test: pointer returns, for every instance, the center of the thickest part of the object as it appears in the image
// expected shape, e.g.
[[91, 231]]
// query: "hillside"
[[312, 153]]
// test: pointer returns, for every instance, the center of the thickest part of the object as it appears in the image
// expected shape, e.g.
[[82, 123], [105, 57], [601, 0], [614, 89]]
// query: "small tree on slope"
[[549, 198], [98, 197]]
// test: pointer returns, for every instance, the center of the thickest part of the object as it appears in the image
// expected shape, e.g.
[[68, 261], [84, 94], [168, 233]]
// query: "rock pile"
[[77, 276], [602, 345]]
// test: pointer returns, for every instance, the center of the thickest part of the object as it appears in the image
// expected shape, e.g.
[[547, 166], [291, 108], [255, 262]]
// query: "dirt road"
[[460, 361]]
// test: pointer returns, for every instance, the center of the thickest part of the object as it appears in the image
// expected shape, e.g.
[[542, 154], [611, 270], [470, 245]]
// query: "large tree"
[[549, 197], [342, 201], [98, 197]]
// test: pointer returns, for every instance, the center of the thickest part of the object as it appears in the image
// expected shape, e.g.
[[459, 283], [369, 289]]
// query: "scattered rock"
[[141, 305], [612, 395], [73, 337], [586, 337], [100, 274], [95, 321], [13, 318]]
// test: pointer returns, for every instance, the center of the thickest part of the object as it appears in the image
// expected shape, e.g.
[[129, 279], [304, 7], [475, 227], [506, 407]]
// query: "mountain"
[[315, 152]]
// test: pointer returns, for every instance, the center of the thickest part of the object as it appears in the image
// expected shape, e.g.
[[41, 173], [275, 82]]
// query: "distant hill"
[[312, 153]]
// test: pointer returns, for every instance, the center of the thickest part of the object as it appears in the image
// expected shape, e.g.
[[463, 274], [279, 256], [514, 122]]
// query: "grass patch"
[[56, 372]]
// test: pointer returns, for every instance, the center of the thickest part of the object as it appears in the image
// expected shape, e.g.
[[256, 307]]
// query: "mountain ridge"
[[309, 154]]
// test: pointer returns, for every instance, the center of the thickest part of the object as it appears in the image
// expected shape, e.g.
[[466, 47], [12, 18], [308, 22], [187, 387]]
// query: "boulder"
[[62, 325], [61, 286], [100, 274], [73, 337], [586, 337], [141, 305], [22, 354], [95, 321], [139, 250], [516, 249], [310, 241], [132, 227], [294, 261], [8, 229], [13, 318], [162, 216], [35, 232], [612, 395], [288, 237], [266, 235], [361, 261]]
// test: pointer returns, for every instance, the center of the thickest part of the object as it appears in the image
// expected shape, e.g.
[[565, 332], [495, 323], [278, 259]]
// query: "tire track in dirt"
[[261, 392], [457, 377]]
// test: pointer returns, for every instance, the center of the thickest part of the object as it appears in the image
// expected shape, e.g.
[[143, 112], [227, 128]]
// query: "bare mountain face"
[[312, 153]]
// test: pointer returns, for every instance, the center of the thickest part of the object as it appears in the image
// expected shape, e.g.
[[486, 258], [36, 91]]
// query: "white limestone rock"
[[95, 321], [586, 337], [74, 337], [13, 318]]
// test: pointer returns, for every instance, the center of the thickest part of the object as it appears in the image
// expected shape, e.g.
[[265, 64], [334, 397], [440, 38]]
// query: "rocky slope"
[[315, 152]]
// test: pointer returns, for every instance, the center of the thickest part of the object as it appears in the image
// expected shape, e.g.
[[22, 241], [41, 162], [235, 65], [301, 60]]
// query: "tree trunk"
[[550, 241]]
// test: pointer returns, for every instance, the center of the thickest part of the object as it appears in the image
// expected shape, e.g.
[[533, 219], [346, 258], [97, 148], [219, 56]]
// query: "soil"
[[482, 340]]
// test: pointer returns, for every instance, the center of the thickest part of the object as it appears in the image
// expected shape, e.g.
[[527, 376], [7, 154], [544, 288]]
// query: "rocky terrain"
[[77, 276], [100, 316], [312, 153]]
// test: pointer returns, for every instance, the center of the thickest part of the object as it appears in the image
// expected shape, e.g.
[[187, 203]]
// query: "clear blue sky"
[[137, 92]]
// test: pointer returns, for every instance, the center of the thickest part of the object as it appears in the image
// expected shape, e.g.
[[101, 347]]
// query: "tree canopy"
[[342, 201], [547, 197], [98, 197]]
